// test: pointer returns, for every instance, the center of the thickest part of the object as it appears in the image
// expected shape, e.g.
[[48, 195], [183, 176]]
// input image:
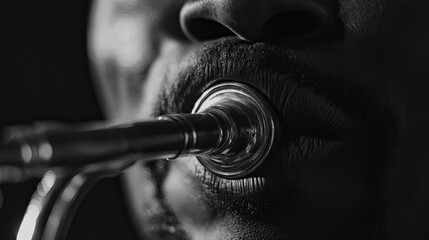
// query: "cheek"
[[122, 47], [329, 196], [361, 19], [125, 36], [129, 43], [198, 214], [185, 197]]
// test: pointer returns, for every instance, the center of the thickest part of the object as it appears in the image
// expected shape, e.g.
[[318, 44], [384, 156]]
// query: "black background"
[[44, 76]]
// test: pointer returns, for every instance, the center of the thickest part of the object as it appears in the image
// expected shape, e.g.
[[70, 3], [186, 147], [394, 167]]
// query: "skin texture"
[[312, 59]]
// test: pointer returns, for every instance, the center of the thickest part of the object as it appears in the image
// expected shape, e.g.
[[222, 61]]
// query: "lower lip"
[[313, 129]]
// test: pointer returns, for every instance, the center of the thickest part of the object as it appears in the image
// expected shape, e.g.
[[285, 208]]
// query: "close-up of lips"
[[215, 119], [323, 127]]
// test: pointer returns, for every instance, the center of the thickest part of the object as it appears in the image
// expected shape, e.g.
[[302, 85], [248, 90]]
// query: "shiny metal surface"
[[232, 129], [249, 126], [56, 199], [166, 137]]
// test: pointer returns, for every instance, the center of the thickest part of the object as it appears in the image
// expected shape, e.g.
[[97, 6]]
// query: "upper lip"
[[306, 102]]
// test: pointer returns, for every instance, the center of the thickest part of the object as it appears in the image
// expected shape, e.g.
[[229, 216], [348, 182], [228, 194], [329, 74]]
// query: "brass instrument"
[[231, 130]]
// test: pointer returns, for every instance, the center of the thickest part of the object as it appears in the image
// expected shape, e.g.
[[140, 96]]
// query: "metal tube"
[[167, 137], [232, 129]]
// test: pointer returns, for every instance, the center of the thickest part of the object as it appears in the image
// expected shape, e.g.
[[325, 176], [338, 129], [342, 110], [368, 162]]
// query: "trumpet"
[[231, 130]]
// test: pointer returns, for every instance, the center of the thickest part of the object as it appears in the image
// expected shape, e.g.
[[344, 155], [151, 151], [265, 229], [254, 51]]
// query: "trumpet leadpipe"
[[231, 130]]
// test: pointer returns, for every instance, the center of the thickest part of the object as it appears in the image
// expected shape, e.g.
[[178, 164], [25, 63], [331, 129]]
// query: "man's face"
[[155, 57]]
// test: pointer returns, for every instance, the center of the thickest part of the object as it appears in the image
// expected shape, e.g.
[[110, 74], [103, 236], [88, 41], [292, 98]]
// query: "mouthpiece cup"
[[249, 125]]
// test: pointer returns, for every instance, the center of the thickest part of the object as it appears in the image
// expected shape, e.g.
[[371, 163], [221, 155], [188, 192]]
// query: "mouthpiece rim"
[[250, 119]]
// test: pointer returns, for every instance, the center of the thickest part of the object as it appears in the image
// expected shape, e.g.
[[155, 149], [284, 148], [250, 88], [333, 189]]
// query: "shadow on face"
[[333, 70]]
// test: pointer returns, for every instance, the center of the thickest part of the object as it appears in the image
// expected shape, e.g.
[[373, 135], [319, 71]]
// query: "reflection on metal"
[[28, 225], [232, 130], [250, 129], [38, 203], [56, 199], [47, 183], [65, 206], [26, 153], [64, 202]]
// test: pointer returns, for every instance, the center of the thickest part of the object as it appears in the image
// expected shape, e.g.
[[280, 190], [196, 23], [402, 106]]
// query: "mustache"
[[272, 69]]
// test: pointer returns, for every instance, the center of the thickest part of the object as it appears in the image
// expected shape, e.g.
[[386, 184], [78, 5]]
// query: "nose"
[[253, 20]]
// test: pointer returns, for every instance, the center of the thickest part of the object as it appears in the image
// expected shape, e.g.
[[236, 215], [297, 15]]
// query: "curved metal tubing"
[[232, 130]]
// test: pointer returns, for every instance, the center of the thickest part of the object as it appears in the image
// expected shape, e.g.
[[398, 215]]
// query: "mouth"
[[317, 115], [308, 103], [323, 117]]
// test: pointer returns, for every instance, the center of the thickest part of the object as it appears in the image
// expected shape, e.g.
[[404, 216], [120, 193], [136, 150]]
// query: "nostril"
[[293, 24], [201, 29], [275, 21]]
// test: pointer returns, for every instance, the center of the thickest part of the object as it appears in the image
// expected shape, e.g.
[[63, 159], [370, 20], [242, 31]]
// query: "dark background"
[[44, 76]]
